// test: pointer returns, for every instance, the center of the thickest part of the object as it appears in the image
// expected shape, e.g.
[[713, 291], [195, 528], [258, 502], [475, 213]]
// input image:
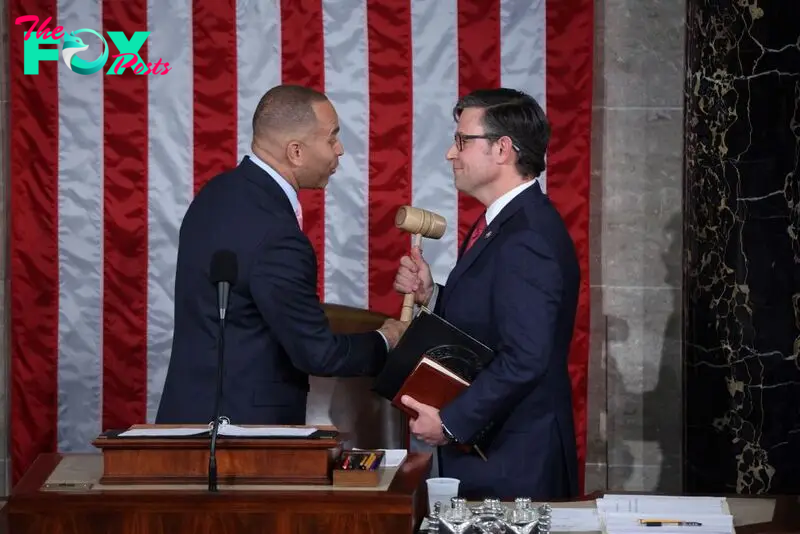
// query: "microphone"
[[224, 273]]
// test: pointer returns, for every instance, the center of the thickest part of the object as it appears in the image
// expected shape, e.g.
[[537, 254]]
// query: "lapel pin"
[[488, 235]]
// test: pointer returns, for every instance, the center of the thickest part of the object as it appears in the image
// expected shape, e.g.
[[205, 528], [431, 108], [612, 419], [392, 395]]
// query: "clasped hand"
[[414, 276], [427, 426]]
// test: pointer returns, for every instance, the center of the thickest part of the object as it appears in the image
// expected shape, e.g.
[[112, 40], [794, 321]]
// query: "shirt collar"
[[280, 180], [497, 206]]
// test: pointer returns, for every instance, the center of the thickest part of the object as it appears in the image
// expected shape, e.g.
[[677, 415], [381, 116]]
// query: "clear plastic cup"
[[442, 489]]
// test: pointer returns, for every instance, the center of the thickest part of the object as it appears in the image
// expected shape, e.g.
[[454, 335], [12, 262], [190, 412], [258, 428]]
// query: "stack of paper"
[[225, 430], [632, 514], [661, 503]]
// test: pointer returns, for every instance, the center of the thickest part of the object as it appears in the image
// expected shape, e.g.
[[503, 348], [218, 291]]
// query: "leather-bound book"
[[430, 383]]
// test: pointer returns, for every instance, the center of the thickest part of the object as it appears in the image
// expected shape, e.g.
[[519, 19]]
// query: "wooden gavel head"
[[421, 222]]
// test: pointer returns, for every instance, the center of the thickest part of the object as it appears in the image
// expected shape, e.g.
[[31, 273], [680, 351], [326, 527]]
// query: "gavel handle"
[[408, 300]]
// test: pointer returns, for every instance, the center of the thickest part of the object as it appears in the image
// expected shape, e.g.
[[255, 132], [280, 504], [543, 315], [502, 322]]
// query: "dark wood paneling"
[[398, 510]]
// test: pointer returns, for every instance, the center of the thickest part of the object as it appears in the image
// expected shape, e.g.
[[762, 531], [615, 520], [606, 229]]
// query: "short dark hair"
[[512, 113], [285, 108]]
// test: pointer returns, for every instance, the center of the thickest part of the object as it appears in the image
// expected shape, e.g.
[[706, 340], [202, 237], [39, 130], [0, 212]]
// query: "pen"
[[663, 522]]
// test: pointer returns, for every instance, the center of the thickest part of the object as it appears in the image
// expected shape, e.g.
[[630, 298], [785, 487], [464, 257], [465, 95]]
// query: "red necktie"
[[476, 232], [299, 214]]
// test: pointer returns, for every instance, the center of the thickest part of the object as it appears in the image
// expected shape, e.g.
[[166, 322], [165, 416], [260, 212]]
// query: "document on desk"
[[226, 430], [265, 431], [162, 432], [667, 523], [574, 519], [661, 503], [658, 514]]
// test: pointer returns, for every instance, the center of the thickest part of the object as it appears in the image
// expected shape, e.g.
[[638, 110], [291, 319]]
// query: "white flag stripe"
[[258, 59], [345, 256], [80, 239], [170, 175], [346, 208], [523, 51], [434, 32]]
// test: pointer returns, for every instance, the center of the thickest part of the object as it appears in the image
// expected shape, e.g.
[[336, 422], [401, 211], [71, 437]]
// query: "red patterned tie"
[[476, 232]]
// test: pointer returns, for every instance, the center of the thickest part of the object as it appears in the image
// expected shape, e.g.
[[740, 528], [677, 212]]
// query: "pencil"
[[663, 522], [370, 460]]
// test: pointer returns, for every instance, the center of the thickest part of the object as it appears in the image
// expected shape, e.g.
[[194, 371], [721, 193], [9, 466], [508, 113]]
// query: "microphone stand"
[[212, 457]]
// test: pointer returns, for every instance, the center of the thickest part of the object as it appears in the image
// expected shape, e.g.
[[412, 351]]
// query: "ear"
[[294, 153], [505, 149]]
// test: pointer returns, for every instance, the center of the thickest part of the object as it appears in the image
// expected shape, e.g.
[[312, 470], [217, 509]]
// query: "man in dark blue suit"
[[515, 288], [276, 331]]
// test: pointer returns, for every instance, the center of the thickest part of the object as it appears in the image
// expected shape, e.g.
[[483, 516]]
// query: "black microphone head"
[[224, 267]]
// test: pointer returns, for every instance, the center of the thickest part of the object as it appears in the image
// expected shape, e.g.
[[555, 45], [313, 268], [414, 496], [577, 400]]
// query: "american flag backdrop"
[[104, 166]]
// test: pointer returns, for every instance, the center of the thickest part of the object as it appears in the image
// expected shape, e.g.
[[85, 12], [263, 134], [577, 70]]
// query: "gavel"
[[419, 222]]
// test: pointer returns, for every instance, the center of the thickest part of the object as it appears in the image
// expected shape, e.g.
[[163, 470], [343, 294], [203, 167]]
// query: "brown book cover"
[[430, 383], [433, 384]]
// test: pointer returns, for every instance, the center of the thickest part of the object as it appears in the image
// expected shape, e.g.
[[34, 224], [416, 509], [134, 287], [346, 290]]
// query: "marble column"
[[742, 247], [634, 414]]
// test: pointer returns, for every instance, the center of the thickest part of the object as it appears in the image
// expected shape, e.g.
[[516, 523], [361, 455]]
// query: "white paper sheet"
[[161, 432], [660, 503], [574, 520], [265, 431], [687, 523], [227, 430], [628, 514]]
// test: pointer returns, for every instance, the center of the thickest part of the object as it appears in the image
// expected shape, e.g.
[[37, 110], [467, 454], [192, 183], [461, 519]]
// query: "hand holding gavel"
[[419, 222]]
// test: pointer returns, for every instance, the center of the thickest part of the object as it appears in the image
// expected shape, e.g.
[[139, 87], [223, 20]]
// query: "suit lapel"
[[468, 258], [489, 235]]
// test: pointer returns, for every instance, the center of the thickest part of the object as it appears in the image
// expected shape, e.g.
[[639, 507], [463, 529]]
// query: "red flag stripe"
[[569, 108], [33, 246], [303, 63], [215, 87], [390, 145], [478, 68], [125, 117]]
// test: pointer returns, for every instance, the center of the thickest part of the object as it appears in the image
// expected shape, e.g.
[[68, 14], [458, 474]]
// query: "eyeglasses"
[[459, 139]]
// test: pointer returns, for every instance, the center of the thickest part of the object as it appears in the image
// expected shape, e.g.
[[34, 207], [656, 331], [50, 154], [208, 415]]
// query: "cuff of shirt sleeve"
[[386, 341]]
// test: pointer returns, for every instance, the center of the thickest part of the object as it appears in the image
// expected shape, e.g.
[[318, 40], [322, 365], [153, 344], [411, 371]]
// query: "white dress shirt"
[[492, 211]]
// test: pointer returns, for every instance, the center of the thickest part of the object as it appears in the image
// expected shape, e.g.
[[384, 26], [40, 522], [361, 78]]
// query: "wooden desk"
[[33, 509], [82, 508], [752, 514]]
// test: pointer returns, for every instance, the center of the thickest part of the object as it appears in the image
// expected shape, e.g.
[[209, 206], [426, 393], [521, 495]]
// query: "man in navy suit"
[[515, 288], [276, 331]]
